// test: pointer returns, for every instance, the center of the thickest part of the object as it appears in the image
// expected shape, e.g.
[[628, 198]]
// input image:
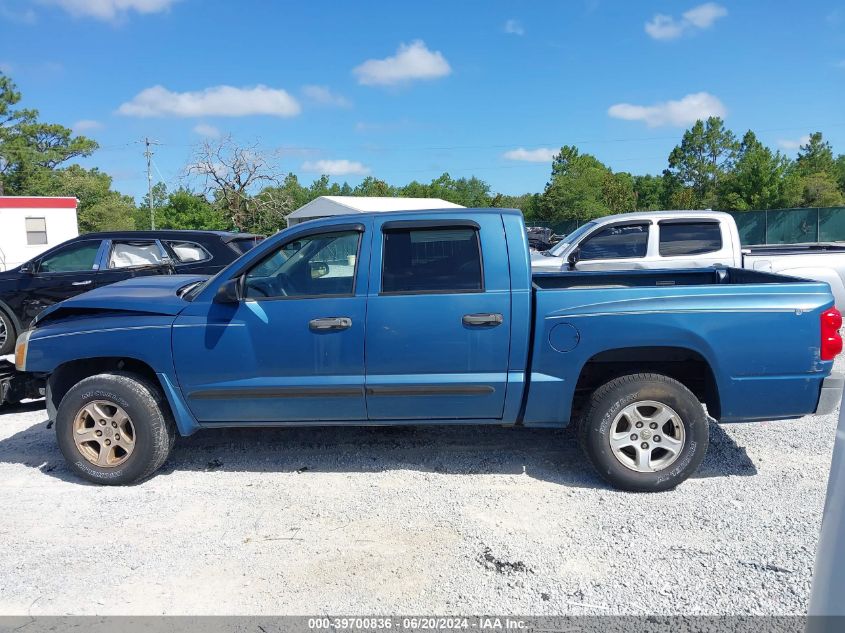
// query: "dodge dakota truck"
[[687, 239], [431, 317]]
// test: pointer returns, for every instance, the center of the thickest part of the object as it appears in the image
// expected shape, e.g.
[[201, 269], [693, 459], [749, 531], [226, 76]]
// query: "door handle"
[[483, 319], [329, 324], [81, 283]]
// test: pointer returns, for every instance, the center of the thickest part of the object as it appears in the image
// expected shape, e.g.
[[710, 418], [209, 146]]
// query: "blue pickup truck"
[[431, 317]]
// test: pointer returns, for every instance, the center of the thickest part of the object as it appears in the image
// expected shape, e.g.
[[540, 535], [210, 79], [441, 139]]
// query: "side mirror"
[[229, 292], [27, 268], [574, 258], [319, 269]]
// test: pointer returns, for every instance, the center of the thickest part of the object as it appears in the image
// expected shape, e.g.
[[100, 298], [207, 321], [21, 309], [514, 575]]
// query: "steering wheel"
[[281, 285]]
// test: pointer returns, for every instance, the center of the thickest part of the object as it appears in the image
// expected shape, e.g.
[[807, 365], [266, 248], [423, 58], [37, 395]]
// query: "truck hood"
[[158, 294], [540, 262]]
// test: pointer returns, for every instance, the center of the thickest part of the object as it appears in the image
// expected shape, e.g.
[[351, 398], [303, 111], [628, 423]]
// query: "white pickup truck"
[[687, 239]]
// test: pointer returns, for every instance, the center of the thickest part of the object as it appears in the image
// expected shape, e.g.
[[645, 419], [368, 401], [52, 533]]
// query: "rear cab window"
[[689, 238], [431, 260]]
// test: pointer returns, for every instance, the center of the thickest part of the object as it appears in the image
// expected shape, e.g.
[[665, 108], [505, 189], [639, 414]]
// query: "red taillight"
[[831, 341]]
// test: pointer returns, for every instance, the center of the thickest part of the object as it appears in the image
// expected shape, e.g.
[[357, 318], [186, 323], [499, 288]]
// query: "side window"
[[315, 265], [625, 241], [135, 253], [74, 258], [689, 238], [431, 260], [189, 252], [36, 231]]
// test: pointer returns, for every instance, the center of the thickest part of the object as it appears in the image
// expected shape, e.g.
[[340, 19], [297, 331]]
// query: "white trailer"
[[31, 225]]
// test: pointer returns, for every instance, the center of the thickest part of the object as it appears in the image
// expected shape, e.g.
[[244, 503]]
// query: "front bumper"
[[17, 385], [831, 393]]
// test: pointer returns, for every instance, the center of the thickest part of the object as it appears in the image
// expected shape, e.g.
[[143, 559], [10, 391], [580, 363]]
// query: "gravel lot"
[[410, 520]]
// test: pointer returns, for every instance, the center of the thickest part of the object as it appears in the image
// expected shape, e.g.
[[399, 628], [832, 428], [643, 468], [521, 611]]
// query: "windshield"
[[569, 239]]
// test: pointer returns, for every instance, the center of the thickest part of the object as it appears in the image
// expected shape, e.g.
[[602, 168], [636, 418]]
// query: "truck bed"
[[751, 329], [657, 278], [810, 248]]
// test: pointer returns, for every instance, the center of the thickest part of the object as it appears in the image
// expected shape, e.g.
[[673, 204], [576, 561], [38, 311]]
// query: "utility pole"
[[149, 154]]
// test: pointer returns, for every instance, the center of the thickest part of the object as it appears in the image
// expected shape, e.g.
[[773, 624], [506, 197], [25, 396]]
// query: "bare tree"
[[243, 180]]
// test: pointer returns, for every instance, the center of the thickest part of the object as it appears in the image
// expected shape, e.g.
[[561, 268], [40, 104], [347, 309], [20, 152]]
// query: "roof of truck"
[[679, 213], [403, 213]]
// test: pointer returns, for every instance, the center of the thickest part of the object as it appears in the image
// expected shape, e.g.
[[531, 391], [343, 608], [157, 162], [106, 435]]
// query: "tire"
[[8, 334], [617, 436], [100, 403]]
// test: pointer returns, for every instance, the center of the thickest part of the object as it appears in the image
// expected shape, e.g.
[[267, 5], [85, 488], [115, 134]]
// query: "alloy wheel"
[[647, 436]]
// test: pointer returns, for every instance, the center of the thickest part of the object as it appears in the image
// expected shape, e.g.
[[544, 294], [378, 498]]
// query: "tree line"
[[229, 186]]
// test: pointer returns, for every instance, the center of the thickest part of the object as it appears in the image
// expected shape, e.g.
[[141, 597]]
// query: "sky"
[[407, 90]]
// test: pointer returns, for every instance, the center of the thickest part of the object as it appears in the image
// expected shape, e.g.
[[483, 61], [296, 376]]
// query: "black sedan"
[[99, 259]]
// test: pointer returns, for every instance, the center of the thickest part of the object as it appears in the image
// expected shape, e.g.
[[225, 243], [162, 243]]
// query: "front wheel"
[[7, 334], [644, 432], [114, 428]]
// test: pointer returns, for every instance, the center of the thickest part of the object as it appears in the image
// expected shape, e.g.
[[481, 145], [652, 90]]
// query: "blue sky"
[[405, 90]]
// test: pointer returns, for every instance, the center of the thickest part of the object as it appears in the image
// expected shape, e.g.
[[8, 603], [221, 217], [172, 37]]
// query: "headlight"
[[21, 348]]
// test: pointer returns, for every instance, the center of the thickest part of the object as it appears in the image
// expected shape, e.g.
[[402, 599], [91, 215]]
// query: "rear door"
[[126, 258], [694, 243], [438, 319]]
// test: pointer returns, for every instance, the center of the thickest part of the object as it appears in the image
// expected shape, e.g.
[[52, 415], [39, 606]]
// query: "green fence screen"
[[791, 226]]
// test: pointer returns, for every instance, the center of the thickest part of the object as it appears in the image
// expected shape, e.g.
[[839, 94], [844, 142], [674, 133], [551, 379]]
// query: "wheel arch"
[[66, 375], [688, 366]]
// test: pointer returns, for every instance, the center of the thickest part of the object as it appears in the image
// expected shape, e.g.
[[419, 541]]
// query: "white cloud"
[[207, 130], [86, 125], [704, 15], [322, 95], [665, 27], [514, 27], [110, 10], [341, 167], [412, 61], [539, 155], [689, 109], [794, 143], [158, 101]]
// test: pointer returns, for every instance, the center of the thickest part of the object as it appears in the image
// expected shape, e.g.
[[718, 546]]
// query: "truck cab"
[[652, 240]]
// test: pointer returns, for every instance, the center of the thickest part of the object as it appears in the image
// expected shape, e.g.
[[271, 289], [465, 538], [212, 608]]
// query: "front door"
[[60, 274], [438, 319], [292, 350], [622, 246]]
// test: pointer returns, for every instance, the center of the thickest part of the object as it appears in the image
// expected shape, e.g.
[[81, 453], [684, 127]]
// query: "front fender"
[[144, 338]]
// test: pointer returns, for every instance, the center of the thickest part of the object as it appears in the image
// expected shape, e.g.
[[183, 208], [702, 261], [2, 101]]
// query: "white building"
[[326, 206], [31, 225]]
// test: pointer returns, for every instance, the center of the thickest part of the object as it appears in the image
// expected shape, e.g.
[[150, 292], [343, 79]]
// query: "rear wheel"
[[644, 432], [114, 429], [7, 334]]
